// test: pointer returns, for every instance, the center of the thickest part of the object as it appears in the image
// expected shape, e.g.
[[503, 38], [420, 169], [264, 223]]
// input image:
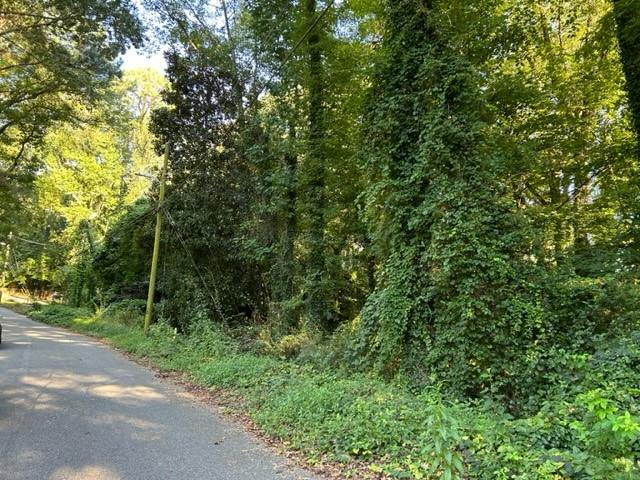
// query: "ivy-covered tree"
[[452, 299]]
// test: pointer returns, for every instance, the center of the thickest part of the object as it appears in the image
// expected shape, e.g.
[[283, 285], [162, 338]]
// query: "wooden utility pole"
[[156, 242], [5, 265]]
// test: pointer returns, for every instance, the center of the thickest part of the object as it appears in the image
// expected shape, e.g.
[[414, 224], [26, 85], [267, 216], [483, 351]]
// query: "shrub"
[[126, 312]]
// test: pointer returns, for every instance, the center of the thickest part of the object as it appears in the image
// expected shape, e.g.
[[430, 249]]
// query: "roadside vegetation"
[[583, 424], [20, 305], [405, 232]]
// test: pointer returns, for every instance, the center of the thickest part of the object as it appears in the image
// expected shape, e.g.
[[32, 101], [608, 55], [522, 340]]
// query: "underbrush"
[[586, 425], [20, 306]]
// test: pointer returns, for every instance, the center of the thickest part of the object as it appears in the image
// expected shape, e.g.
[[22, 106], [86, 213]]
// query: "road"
[[71, 408]]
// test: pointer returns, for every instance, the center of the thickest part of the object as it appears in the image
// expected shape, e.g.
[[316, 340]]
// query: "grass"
[[375, 429], [17, 304]]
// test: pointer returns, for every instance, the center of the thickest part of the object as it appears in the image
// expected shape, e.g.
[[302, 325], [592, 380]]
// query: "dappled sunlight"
[[142, 430], [48, 333], [37, 332], [7, 324], [126, 393], [63, 380], [71, 411], [31, 455], [100, 386], [18, 397], [89, 472], [11, 341], [45, 335], [41, 391]]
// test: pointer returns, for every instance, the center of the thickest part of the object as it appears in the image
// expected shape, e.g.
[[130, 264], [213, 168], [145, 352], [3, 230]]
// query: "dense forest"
[[437, 201]]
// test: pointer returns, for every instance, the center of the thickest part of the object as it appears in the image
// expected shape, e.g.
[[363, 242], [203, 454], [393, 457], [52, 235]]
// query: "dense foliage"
[[453, 293], [88, 175], [52, 54], [385, 220]]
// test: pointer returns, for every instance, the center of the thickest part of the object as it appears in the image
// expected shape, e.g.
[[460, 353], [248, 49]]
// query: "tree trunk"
[[291, 230], [316, 264]]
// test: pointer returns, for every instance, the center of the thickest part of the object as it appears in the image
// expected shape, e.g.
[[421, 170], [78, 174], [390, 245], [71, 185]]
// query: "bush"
[[59, 314], [127, 312]]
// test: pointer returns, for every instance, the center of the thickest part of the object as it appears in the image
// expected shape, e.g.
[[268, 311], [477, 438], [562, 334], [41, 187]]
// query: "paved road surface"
[[73, 409]]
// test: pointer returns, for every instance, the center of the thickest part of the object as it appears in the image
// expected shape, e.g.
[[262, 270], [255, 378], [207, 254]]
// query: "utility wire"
[[29, 241], [289, 55], [295, 47], [214, 297], [126, 224]]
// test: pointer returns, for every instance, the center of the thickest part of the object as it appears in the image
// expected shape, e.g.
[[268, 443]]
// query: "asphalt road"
[[73, 409]]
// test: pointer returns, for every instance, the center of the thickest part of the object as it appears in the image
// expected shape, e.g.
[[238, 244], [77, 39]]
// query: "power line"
[[289, 55], [26, 240], [126, 224], [295, 47], [215, 298], [279, 70]]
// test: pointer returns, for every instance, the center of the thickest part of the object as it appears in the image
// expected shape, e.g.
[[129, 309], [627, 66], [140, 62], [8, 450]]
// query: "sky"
[[134, 58]]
